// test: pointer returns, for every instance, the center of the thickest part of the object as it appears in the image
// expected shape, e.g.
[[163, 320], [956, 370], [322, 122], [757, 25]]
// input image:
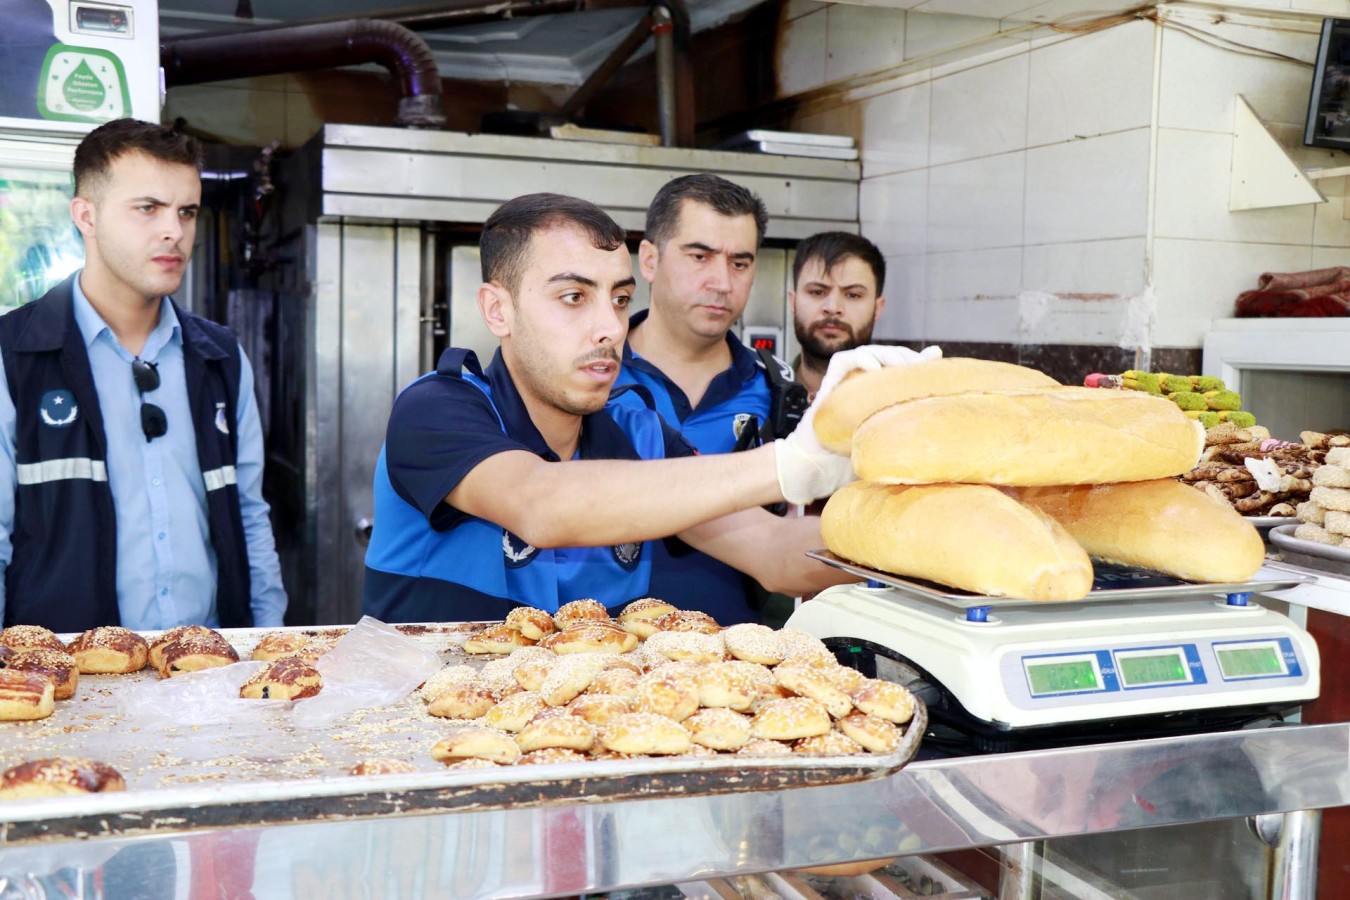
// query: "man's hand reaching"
[[806, 470]]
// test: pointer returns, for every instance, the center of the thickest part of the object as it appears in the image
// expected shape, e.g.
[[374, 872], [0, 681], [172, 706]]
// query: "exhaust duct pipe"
[[304, 48]]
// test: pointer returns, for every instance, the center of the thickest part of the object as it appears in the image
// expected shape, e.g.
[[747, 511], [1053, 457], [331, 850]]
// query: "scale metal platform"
[[1142, 648]]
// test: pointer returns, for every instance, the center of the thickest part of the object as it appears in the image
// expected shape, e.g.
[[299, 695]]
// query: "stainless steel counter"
[[596, 845]]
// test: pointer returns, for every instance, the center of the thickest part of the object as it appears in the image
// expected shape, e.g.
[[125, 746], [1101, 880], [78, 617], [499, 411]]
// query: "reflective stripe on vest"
[[218, 478], [62, 470]]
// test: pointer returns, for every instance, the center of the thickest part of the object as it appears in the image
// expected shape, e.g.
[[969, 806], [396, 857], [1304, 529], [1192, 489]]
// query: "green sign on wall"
[[82, 84]]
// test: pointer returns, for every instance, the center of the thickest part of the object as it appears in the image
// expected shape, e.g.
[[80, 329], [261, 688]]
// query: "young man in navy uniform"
[[522, 483], [702, 241], [131, 452]]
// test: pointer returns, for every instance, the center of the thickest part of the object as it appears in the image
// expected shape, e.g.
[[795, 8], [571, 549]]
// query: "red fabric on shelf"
[[1272, 304], [1318, 293], [1292, 281]]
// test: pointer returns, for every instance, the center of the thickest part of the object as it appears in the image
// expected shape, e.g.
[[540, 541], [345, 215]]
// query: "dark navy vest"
[[63, 574]]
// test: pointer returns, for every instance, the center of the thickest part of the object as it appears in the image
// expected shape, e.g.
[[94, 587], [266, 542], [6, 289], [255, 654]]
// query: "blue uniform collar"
[[727, 384], [92, 325], [601, 436]]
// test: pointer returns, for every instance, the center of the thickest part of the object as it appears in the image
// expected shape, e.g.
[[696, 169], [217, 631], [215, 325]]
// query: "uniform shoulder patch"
[[516, 552]]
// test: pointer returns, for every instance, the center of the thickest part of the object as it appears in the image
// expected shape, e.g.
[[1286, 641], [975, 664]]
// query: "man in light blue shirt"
[[131, 453]]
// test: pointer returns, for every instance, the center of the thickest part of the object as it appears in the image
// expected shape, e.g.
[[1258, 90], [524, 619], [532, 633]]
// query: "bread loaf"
[[1054, 436], [863, 393], [1163, 525], [968, 536]]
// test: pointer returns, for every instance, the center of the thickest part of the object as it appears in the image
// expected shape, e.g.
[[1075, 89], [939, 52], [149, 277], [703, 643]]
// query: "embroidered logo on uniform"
[[58, 409], [221, 425], [627, 555], [738, 424], [517, 552]]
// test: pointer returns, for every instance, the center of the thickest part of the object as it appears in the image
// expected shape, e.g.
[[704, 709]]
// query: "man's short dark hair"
[[725, 197], [505, 241], [832, 248], [112, 140]]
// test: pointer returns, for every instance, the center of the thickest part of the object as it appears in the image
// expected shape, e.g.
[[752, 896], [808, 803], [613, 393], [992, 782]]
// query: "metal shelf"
[[593, 845]]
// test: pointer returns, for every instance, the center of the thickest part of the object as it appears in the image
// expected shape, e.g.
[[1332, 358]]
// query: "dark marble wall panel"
[[1070, 363]]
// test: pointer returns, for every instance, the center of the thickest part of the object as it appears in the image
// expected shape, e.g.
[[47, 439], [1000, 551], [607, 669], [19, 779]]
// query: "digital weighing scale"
[[1143, 655]]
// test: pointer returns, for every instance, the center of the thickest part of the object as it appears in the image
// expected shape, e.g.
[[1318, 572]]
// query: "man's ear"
[[494, 305], [881, 304], [647, 258], [82, 213]]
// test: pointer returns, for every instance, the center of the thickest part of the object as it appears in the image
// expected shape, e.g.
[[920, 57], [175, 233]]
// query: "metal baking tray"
[[1265, 523], [1310, 554], [1111, 583], [273, 772]]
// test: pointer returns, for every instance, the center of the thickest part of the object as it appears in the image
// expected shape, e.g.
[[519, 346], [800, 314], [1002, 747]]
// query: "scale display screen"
[[1138, 669], [1063, 676], [1250, 660]]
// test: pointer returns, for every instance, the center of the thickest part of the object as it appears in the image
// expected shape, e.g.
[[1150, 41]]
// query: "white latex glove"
[[806, 470], [867, 358]]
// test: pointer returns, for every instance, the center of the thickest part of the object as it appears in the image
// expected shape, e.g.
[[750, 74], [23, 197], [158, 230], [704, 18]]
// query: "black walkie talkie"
[[788, 399]]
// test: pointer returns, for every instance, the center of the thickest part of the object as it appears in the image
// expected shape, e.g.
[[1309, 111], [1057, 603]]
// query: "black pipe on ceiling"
[[452, 13], [302, 48]]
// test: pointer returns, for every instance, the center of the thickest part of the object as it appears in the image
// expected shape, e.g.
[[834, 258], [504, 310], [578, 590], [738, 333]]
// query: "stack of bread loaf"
[[1325, 515], [578, 685], [994, 479]]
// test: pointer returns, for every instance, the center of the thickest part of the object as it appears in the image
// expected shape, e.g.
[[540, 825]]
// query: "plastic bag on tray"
[[373, 665], [208, 697]]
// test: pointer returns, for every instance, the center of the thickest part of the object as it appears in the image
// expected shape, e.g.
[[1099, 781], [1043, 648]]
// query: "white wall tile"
[[1322, 257], [1199, 281], [1199, 82], [928, 35], [895, 131], [863, 39], [990, 319], [801, 53], [973, 275], [977, 204], [1064, 104], [1088, 190], [1075, 321], [1330, 227], [1192, 196], [906, 292], [979, 112], [1113, 268], [893, 211]]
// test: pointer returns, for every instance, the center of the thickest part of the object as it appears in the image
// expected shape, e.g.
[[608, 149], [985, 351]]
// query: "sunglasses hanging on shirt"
[[153, 421]]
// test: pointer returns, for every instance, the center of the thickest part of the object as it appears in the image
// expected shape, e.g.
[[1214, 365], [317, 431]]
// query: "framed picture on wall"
[[1328, 123]]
